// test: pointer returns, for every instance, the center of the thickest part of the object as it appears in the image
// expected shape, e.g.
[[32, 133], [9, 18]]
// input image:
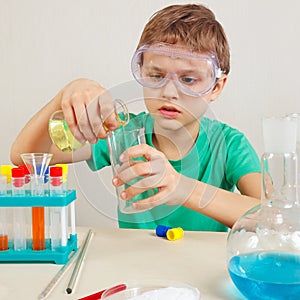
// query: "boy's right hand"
[[86, 105]]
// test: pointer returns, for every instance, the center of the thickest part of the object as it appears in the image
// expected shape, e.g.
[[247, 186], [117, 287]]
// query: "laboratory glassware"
[[63, 138], [37, 164], [263, 247]]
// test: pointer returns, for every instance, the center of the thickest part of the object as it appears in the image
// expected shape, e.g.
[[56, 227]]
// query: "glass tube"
[[56, 189], [19, 222], [3, 216], [38, 228], [3, 229]]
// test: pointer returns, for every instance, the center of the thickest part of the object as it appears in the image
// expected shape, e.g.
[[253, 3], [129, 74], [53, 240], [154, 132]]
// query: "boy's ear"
[[216, 91]]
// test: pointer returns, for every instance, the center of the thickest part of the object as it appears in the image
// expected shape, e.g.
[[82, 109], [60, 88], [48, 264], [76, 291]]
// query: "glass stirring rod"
[[52, 284], [79, 261]]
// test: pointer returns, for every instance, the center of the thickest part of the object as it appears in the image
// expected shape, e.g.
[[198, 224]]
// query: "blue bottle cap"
[[161, 230]]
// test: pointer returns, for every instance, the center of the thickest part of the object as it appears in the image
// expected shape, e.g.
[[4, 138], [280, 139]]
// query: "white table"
[[115, 256]]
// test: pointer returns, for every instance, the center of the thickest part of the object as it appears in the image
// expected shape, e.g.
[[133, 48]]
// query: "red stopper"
[[56, 171], [17, 172], [26, 173], [18, 177], [56, 176]]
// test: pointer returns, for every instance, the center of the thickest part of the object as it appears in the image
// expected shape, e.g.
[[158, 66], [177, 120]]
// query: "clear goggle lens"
[[194, 74]]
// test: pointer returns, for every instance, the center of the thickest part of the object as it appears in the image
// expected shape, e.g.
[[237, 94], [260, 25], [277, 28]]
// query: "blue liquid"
[[264, 275]]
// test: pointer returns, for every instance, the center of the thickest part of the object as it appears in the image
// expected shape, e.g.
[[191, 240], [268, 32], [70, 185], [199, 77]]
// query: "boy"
[[193, 163]]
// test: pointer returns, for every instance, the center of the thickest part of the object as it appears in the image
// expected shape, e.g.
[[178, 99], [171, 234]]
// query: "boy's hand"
[[86, 105], [172, 187]]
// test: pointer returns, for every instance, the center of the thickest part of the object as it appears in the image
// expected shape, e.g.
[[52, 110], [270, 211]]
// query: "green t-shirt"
[[220, 157]]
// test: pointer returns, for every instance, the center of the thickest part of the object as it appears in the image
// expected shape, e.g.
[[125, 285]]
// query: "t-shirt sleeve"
[[100, 156], [242, 159]]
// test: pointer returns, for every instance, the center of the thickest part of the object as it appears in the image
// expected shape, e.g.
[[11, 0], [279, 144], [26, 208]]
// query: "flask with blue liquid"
[[263, 247]]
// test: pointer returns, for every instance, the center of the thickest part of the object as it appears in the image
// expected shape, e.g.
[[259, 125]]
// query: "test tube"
[[3, 229], [47, 209], [65, 171], [73, 226], [37, 185], [27, 179], [18, 182], [56, 213], [38, 213], [19, 215], [27, 189], [3, 185], [64, 226], [38, 228], [46, 182], [3, 216], [37, 164], [56, 181], [5, 170]]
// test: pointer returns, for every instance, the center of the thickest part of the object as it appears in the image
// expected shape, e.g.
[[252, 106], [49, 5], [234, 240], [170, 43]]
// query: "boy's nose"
[[170, 90]]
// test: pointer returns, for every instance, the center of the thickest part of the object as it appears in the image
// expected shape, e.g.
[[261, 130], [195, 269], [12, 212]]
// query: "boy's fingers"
[[107, 112], [94, 117], [83, 123], [143, 150]]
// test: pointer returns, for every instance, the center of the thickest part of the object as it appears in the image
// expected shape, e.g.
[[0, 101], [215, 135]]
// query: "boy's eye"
[[156, 76], [188, 80]]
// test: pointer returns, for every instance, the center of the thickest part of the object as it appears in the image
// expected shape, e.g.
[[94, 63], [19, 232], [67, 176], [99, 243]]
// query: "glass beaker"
[[63, 138], [118, 141], [263, 247]]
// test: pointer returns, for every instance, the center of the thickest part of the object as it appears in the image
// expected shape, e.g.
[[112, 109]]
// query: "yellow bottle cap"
[[175, 234], [5, 170], [65, 168]]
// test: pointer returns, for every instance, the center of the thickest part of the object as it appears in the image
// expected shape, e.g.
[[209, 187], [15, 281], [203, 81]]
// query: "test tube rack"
[[57, 256]]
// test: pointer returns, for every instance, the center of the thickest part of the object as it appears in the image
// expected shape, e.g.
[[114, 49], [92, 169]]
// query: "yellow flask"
[[62, 136]]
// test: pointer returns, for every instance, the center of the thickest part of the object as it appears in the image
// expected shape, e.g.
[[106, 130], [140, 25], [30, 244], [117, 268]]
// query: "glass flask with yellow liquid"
[[62, 136], [263, 246]]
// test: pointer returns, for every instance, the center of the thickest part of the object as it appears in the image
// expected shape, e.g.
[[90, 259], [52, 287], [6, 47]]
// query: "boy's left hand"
[[172, 187]]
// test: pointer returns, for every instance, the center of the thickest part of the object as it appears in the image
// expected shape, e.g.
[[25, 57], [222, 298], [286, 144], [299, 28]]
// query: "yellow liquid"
[[64, 139], [120, 122], [62, 136]]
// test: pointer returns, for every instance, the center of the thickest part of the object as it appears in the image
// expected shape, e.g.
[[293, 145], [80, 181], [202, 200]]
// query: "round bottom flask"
[[263, 247]]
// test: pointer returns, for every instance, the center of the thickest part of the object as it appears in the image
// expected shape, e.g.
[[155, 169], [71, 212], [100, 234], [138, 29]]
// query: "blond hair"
[[193, 25]]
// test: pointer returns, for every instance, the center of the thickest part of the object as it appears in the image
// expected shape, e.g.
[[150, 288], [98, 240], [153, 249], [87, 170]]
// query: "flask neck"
[[279, 179]]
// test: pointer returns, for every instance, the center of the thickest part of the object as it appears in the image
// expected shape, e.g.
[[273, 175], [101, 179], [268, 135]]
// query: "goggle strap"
[[219, 73]]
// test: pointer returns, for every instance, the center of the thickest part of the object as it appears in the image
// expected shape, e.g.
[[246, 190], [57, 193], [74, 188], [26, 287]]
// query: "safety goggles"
[[193, 73]]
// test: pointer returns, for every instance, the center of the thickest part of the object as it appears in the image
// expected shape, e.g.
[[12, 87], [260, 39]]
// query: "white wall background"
[[46, 44]]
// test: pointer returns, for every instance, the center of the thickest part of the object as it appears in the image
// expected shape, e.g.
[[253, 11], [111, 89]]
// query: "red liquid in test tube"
[[3, 242], [38, 228], [3, 216]]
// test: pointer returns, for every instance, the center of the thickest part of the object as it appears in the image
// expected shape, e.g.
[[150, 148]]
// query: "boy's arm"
[[224, 206], [176, 189], [34, 137]]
